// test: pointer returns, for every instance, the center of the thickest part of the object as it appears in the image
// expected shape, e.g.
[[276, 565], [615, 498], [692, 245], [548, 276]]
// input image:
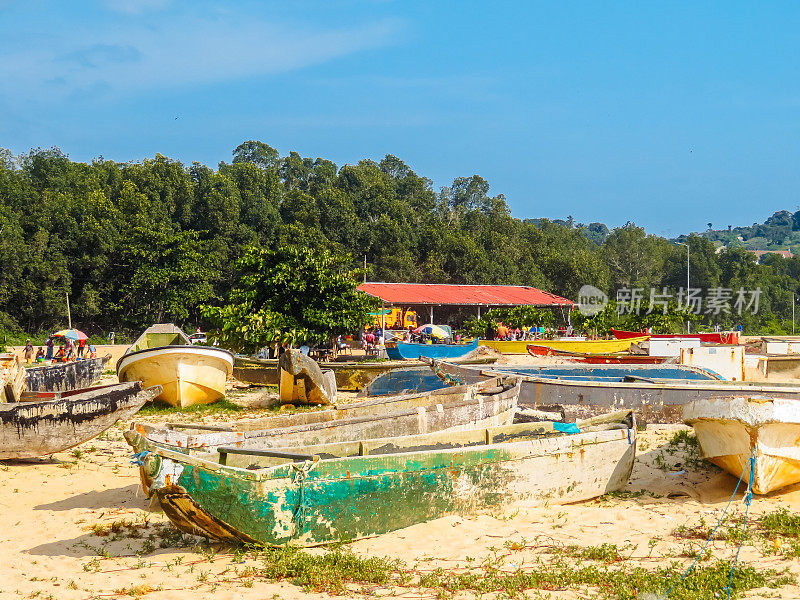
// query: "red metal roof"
[[470, 295]]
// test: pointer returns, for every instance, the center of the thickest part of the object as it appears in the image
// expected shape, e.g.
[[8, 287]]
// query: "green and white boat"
[[348, 490]]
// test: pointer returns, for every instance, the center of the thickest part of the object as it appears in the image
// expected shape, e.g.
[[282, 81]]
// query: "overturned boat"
[[736, 430], [63, 377], [310, 495], [45, 426], [164, 356]]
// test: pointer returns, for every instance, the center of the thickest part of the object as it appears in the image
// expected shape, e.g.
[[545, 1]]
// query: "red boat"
[[722, 337], [597, 359]]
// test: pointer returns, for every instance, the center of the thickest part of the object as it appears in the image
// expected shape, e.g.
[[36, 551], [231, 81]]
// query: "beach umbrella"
[[71, 334], [431, 329]]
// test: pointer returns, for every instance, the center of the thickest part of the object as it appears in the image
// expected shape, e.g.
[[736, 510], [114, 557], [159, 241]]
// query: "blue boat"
[[423, 380], [411, 351]]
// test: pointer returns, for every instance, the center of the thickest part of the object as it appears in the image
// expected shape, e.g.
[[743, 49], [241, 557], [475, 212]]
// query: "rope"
[[137, 458], [748, 499], [298, 478], [449, 379]]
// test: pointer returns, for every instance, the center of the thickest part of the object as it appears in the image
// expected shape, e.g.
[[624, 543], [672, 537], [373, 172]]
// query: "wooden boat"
[[720, 337], [580, 346], [730, 430], [62, 377], [312, 495], [493, 399], [598, 359], [412, 351], [12, 378], [655, 400], [29, 429], [350, 375], [188, 374]]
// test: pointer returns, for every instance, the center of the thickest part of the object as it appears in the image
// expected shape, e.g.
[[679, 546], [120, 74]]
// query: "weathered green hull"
[[337, 499]]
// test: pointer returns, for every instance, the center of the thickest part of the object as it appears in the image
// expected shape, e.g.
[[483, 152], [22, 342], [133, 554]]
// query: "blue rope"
[[748, 499], [138, 458]]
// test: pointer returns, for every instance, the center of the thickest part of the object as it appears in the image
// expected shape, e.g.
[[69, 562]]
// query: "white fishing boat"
[[731, 430], [189, 374]]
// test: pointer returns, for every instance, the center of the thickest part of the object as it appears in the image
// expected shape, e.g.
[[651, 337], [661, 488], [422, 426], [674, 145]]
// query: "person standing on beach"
[[49, 345], [28, 351], [81, 348]]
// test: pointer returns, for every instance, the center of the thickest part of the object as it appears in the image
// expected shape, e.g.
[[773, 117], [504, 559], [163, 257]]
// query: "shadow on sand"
[[130, 496]]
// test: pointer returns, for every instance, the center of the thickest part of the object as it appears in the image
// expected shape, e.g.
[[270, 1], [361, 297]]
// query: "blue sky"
[[668, 114]]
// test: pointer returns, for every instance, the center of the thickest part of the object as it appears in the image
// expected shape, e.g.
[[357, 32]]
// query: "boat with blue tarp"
[[413, 351]]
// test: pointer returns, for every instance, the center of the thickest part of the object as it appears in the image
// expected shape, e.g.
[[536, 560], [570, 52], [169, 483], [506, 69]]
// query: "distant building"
[[760, 253]]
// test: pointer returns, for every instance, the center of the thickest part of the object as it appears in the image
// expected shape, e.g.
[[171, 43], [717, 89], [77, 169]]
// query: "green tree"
[[290, 295]]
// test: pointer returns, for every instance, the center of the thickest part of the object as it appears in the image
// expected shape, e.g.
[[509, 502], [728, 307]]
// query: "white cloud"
[[176, 52]]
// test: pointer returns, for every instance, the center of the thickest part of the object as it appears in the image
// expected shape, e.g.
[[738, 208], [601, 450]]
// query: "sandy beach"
[[77, 526]]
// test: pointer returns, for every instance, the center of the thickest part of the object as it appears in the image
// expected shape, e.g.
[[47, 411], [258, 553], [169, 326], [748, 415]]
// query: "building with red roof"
[[454, 297]]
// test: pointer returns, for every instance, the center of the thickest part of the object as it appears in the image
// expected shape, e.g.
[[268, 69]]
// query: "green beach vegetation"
[[141, 242]]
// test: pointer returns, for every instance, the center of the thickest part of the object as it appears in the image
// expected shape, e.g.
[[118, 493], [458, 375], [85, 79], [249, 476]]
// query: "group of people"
[[68, 350], [510, 333]]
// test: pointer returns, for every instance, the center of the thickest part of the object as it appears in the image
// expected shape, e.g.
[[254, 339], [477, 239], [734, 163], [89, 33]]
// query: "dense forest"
[[135, 243]]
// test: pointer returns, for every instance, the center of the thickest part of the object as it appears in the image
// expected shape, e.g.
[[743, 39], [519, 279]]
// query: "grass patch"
[[221, 406], [331, 572], [599, 570]]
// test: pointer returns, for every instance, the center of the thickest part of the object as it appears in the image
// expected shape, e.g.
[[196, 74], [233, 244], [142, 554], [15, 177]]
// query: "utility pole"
[[69, 316], [792, 313], [687, 281], [365, 268]]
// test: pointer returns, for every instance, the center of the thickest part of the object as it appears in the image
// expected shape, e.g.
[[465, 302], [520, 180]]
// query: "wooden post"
[[383, 318], [69, 315], [431, 321]]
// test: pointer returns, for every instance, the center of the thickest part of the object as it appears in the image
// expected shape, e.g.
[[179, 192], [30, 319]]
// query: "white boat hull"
[[188, 374], [731, 430]]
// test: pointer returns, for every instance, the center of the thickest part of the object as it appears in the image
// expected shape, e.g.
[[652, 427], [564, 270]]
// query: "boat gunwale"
[[198, 440], [284, 471], [229, 359]]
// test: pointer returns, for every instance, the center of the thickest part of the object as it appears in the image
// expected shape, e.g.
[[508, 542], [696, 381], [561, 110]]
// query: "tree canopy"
[[139, 242]]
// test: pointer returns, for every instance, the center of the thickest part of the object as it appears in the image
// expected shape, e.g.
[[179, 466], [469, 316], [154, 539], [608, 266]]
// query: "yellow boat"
[[580, 346], [188, 374]]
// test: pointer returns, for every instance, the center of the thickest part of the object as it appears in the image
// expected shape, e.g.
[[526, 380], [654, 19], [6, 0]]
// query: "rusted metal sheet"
[[395, 484], [29, 429], [731, 430], [65, 377]]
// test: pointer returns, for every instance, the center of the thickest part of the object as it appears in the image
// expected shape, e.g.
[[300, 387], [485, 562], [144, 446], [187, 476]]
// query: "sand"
[[54, 508]]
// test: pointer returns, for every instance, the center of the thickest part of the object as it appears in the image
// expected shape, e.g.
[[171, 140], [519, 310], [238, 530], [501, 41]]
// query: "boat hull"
[[30, 429], [350, 376], [187, 374], [12, 378], [731, 430], [722, 337], [65, 377], [349, 498], [660, 401], [411, 351], [600, 359], [577, 346]]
